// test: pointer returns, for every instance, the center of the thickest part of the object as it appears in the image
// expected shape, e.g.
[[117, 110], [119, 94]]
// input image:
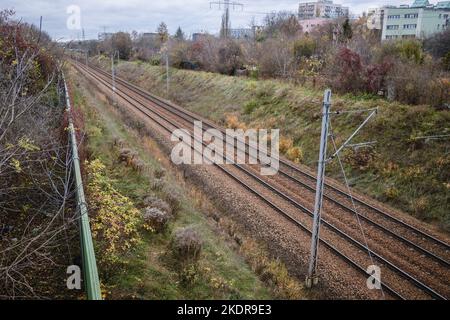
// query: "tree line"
[[342, 54]]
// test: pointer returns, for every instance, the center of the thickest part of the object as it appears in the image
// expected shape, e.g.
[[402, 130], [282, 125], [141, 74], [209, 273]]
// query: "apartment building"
[[419, 20], [314, 14], [321, 9]]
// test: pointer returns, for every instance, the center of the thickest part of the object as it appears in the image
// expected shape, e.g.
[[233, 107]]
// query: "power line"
[[226, 23]]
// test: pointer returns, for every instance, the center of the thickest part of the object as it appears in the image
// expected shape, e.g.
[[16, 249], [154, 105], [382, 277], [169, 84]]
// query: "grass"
[[151, 271], [409, 174]]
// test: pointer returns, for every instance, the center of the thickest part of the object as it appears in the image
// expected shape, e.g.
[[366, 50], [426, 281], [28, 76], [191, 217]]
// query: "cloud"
[[141, 15]]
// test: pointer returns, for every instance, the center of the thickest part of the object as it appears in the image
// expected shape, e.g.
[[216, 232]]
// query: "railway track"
[[428, 250]]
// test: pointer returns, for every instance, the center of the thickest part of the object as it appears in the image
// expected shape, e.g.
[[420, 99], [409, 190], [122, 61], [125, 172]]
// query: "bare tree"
[[36, 210]]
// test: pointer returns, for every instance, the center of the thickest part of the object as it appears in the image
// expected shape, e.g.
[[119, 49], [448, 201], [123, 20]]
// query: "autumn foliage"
[[350, 74], [115, 220]]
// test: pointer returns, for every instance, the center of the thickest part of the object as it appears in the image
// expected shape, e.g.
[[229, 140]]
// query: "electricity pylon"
[[226, 23]]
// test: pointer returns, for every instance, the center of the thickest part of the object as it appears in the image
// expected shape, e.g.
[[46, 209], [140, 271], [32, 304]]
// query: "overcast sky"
[[144, 16]]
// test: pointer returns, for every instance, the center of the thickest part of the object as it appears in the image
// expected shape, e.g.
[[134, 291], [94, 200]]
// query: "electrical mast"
[[312, 277], [226, 23]]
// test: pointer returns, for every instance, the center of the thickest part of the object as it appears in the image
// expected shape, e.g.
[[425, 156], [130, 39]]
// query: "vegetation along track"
[[417, 272]]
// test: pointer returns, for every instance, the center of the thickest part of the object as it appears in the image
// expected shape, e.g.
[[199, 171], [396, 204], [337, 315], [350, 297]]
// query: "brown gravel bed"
[[383, 220]]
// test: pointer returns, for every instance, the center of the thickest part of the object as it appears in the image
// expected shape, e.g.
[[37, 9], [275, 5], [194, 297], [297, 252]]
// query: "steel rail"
[[185, 115], [128, 98], [392, 266], [90, 272], [286, 163]]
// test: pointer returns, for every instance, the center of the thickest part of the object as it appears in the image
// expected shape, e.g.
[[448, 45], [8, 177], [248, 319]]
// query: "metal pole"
[[113, 78], [167, 72], [312, 278]]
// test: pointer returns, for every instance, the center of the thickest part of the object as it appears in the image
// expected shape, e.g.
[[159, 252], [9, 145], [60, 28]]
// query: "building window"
[[408, 36], [391, 37], [392, 27], [411, 15], [397, 16], [409, 26]]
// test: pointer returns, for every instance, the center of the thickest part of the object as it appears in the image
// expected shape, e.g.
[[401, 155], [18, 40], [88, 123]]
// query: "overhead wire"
[[366, 243]]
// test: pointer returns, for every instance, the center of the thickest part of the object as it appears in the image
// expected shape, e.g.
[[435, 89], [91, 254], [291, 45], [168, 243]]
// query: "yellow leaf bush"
[[295, 154], [115, 220]]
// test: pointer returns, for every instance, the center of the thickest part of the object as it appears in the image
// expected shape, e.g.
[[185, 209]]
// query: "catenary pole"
[[311, 278]]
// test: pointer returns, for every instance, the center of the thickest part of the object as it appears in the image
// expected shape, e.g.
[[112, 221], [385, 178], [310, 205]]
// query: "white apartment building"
[[420, 20], [321, 9]]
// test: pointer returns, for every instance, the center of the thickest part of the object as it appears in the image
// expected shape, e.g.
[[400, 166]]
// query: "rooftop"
[[423, 4], [443, 5], [420, 4]]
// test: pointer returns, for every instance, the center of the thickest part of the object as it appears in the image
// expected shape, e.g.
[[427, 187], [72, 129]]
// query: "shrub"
[[155, 219], [154, 202], [229, 58], [360, 158], [122, 41], [295, 154], [406, 50], [392, 193], [271, 272], [125, 155], [310, 67], [411, 50], [285, 144], [173, 197], [232, 122], [419, 206], [276, 58], [375, 76], [418, 84], [304, 48], [346, 71], [189, 274], [187, 245], [115, 219], [438, 44]]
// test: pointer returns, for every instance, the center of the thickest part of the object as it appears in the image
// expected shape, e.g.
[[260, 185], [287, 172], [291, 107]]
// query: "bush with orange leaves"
[[232, 122]]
